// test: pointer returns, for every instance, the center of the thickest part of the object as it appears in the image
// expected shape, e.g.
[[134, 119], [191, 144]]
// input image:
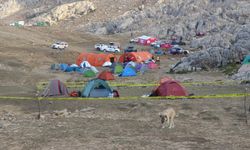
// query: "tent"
[[164, 79], [116, 68], [96, 60], [85, 64], [69, 69], [146, 40], [246, 60], [94, 69], [63, 67], [138, 67], [97, 88], [55, 88], [135, 56], [106, 75], [128, 72], [152, 65], [131, 63], [170, 88], [107, 64], [55, 67], [89, 73]]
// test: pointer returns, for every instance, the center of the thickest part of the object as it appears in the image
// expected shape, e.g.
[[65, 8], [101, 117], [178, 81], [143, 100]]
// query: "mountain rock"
[[66, 11]]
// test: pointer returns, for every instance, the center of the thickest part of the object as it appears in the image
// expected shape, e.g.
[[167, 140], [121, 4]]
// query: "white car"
[[60, 45], [107, 48], [99, 46], [135, 40]]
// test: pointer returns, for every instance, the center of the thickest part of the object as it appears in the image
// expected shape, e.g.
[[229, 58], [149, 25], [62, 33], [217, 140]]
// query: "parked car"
[[161, 44], [111, 44], [135, 40], [60, 45], [98, 46], [178, 50], [107, 48], [130, 49], [115, 44], [166, 45]]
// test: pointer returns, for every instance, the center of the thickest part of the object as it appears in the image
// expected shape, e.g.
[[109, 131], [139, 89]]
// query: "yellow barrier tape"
[[81, 84], [17, 97], [235, 95]]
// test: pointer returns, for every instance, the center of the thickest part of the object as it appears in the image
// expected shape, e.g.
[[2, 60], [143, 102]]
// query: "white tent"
[[74, 65], [94, 69], [85, 64], [107, 64]]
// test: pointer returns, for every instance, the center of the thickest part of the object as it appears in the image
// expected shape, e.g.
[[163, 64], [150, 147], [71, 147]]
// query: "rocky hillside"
[[225, 23]]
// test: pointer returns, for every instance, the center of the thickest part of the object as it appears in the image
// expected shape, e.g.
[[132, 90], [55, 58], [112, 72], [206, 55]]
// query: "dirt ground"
[[25, 59]]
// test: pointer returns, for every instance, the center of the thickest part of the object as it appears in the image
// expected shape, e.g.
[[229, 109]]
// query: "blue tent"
[[246, 60], [64, 66], [69, 69], [97, 88], [128, 72]]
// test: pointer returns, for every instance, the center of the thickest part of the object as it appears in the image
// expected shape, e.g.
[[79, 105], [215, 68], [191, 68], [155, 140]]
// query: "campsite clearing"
[[125, 124]]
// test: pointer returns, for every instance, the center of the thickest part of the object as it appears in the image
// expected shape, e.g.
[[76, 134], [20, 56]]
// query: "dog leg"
[[168, 121], [171, 122], [164, 120]]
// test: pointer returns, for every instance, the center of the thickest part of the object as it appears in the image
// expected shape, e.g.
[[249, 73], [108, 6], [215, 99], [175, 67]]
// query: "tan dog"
[[168, 115]]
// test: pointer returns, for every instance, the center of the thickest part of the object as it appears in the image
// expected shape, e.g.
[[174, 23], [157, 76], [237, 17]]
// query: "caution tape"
[[42, 85], [217, 96]]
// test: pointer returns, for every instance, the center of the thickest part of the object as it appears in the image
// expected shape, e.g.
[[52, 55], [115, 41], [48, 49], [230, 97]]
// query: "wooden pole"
[[39, 105], [246, 106]]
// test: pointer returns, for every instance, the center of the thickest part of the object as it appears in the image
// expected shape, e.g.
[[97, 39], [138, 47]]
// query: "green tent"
[[96, 88], [246, 60], [89, 73], [41, 24], [118, 69]]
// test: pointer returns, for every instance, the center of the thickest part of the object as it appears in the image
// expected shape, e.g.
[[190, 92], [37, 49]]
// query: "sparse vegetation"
[[231, 69]]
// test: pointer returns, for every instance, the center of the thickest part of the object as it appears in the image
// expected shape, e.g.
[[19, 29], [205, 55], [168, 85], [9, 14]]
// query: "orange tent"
[[94, 59], [135, 56], [106, 75]]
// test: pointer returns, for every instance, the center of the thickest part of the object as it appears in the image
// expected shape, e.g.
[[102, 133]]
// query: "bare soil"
[[25, 59]]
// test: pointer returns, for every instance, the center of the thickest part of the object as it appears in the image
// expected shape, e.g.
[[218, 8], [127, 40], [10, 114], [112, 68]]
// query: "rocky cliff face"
[[45, 10], [66, 11], [8, 8]]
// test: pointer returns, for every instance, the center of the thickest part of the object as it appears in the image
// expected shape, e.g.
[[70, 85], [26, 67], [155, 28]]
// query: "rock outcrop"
[[66, 11], [223, 50], [8, 8]]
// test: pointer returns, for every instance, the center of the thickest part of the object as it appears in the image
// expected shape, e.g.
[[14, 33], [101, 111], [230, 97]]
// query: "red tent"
[[152, 65], [146, 40], [170, 88], [164, 79], [106, 75]]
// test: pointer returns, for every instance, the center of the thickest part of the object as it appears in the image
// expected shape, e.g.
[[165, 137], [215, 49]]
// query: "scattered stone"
[[8, 116], [87, 109], [187, 80], [61, 113]]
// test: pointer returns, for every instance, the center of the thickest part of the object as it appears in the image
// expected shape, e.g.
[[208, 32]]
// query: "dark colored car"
[[177, 50], [130, 49]]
